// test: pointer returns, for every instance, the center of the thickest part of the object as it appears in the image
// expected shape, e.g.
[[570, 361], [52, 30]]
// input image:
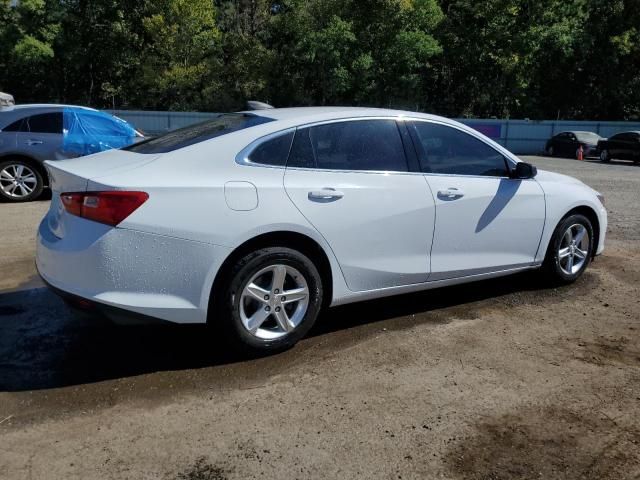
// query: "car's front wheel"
[[272, 299], [19, 181], [604, 156], [570, 250]]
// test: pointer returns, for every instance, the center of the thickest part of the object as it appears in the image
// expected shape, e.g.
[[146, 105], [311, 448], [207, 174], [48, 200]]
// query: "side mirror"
[[524, 171]]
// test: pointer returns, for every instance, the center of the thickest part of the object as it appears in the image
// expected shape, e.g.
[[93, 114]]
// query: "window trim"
[[510, 163], [242, 158]]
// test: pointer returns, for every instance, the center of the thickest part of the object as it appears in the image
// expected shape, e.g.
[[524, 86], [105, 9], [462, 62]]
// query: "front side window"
[[362, 145], [273, 151], [184, 137], [45, 123], [447, 150]]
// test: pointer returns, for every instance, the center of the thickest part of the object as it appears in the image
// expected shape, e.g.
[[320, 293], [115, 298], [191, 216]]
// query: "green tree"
[[179, 69]]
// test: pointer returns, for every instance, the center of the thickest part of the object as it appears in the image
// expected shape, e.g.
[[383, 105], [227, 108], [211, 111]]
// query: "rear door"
[[41, 136], [8, 136], [485, 220], [351, 181]]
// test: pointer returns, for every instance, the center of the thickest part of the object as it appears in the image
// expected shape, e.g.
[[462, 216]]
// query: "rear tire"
[[271, 298], [604, 156], [19, 181], [570, 250], [551, 152]]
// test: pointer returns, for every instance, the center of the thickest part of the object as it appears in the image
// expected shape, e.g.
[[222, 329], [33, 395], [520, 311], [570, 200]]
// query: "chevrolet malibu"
[[254, 221]]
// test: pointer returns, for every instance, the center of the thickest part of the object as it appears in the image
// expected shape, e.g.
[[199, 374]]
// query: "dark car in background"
[[31, 134], [621, 146], [567, 144]]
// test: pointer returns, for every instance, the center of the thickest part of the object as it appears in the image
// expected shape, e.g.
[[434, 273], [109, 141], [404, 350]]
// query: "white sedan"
[[254, 221]]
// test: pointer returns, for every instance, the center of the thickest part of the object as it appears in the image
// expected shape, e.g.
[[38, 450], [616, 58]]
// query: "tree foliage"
[[504, 58]]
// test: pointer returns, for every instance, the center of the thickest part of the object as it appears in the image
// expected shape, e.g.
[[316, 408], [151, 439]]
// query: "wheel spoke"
[[283, 320], [580, 235], [257, 293], [582, 254], [5, 174], [257, 319], [564, 253], [568, 236], [296, 295], [279, 275], [23, 190], [18, 169], [570, 264], [30, 179]]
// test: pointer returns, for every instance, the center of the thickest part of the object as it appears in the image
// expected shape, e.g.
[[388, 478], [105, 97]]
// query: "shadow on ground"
[[44, 345]]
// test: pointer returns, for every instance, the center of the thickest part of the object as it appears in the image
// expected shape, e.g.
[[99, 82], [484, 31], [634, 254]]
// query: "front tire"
[[551, 151], [604, 156], [272, 299], [570, 250], [19, 181]]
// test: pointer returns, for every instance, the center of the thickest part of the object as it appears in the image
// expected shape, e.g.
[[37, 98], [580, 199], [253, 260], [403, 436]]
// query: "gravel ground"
[[497, 380]]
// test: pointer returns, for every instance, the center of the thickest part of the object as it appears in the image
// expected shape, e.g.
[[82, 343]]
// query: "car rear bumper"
[[145, 274]]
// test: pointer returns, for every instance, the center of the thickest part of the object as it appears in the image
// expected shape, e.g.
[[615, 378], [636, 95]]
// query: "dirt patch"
[[203, 470], [548, 443], [620, 268], [609, 351]]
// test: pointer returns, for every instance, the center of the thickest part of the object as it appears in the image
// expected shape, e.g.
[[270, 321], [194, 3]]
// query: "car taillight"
[[110, 207]]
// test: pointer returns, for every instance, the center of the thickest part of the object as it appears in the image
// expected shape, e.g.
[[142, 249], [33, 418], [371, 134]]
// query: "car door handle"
[[450, 193], [325, 194], [34, 142]]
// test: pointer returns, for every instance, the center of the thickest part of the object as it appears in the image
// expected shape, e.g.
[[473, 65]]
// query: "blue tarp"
[[90, 131]]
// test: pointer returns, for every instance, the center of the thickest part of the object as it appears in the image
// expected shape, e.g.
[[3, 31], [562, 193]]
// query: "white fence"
[[520, 136]]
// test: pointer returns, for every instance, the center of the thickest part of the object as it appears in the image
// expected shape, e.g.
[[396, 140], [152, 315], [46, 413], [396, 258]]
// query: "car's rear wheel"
[[604, 156], [551, 151], [570, 250], [272, 299], [19, 181]]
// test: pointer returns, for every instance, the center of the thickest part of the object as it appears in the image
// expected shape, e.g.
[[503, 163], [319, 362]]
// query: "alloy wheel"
[[574, 249], [274, 302], [17, 180]]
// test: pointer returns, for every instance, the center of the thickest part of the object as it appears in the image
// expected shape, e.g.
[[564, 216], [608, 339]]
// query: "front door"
[[485, 221], [351, 181]]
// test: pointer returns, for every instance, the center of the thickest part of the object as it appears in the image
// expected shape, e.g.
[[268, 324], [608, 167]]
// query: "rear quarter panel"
[[187, 200]]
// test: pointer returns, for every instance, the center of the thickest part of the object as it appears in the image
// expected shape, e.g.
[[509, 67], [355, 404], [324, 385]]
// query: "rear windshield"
[[221, 125]]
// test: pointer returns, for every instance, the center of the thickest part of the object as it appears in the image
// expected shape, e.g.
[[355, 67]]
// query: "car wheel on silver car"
[[273, 298], [19, 181], [571, 249]]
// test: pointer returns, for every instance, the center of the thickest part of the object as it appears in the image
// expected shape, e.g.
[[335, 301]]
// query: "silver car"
[[31, 134]]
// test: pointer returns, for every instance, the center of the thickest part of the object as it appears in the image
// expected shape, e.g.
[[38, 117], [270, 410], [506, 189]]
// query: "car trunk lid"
[[73, 175]]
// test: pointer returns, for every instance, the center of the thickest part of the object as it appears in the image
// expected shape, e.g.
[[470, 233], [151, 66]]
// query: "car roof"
[[577, 131], [42, 106], [309, 114]]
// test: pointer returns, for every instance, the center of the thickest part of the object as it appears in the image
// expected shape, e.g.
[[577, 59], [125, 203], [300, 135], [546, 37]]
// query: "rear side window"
[[273, 151], [14, 127], [447, 150], [45, 123], [363, 145], [184, 137]]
